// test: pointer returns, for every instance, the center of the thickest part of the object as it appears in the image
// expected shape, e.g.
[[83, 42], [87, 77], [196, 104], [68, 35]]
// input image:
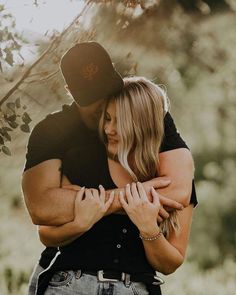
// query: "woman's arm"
[[167, 254], [164, 254]]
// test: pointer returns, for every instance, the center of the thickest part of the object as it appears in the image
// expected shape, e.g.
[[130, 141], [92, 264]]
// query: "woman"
[[118, 253]]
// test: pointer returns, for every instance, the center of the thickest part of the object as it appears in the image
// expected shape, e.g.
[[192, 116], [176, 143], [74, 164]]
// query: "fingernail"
[[127, 184], [100, 186], [83, 187]]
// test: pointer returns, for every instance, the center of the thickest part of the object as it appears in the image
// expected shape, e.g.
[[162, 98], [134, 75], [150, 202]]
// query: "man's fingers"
[[163, 213], [160, 182], [170, 203], [72, 187]]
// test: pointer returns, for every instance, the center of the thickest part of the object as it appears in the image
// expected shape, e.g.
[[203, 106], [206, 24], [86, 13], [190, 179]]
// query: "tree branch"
[[54, 42]]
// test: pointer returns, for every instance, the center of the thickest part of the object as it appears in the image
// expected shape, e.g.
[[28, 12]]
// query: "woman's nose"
[[110, 128]]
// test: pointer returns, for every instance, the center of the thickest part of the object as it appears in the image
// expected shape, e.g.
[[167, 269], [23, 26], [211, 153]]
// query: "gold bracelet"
[[153, 238]]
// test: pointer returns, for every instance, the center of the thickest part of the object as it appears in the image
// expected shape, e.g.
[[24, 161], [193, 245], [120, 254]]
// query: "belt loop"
[[127, 281], [78, 274]]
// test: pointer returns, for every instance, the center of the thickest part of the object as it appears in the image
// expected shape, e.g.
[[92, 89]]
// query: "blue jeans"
[[72, 282]]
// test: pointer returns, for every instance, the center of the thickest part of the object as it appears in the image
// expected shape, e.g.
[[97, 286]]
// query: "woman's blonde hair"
[[140, 112]]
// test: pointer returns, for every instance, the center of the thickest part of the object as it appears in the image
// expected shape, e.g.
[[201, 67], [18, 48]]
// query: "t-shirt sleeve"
[[44, 144], [193, 199], [172, 139]]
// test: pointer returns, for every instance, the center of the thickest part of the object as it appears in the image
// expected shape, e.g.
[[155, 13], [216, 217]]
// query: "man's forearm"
[[116, 207], [57, 236], [177, 193], [56, 207]]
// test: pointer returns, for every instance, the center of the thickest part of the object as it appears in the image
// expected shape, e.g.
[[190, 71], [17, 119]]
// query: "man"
[[91, 78]]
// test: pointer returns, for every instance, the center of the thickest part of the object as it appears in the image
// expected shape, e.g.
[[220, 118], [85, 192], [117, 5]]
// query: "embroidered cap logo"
[[89, 71]]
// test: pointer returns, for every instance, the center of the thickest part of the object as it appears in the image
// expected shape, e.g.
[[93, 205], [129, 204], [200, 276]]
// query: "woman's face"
[[110, 128]]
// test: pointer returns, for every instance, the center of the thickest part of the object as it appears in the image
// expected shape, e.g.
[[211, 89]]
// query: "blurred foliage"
[[10, 40], [190, 47]]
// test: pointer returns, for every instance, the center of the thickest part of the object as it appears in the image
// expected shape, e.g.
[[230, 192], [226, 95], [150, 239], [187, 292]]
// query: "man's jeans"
[[72, 282]]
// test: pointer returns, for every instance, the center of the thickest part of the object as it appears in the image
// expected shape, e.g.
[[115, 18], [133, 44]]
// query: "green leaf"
[[6, 129], [13, 124], [17, 102], [6, 150], [9, 58], [1, 140], [25, 128], [11, 105], [26, 118], [11, 118], [5, 134], [16, 45]]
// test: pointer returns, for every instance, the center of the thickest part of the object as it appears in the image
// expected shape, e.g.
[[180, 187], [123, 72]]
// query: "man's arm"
[[46, 201], [178, 166], [49, 204]]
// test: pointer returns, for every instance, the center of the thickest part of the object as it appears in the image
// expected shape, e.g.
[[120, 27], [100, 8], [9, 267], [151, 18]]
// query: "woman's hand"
[[91, 206], [142, 212]]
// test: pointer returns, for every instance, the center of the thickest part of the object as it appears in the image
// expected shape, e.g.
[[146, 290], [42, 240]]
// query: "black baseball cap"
[[89, 73]]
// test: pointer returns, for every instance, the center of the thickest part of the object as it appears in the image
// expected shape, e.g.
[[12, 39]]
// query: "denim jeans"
[[33, 279], [72, 282]]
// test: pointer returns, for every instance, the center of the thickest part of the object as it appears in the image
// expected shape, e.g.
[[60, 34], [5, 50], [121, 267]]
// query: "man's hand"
[[166, 203]]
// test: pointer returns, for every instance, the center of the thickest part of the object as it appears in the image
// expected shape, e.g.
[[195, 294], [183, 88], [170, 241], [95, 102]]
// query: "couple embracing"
[[109, 182]]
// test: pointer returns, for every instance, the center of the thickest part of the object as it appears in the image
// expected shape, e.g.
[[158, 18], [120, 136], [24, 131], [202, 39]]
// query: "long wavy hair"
[[140, 112]]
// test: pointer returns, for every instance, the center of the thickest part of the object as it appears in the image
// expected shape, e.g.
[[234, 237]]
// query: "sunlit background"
[[187, 45]]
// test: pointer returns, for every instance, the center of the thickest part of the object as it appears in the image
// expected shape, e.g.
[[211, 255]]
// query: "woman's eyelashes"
[[107, 117]]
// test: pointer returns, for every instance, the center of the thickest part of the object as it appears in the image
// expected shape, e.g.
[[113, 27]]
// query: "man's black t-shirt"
[[60, 131]]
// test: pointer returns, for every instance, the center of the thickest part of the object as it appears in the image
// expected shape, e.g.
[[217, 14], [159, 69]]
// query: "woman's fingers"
[[142, 192], [88, 193], [102, 194], [122, 200], [134, 191], [79, 194], [159, 219], [128, 194], [156, 199]]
